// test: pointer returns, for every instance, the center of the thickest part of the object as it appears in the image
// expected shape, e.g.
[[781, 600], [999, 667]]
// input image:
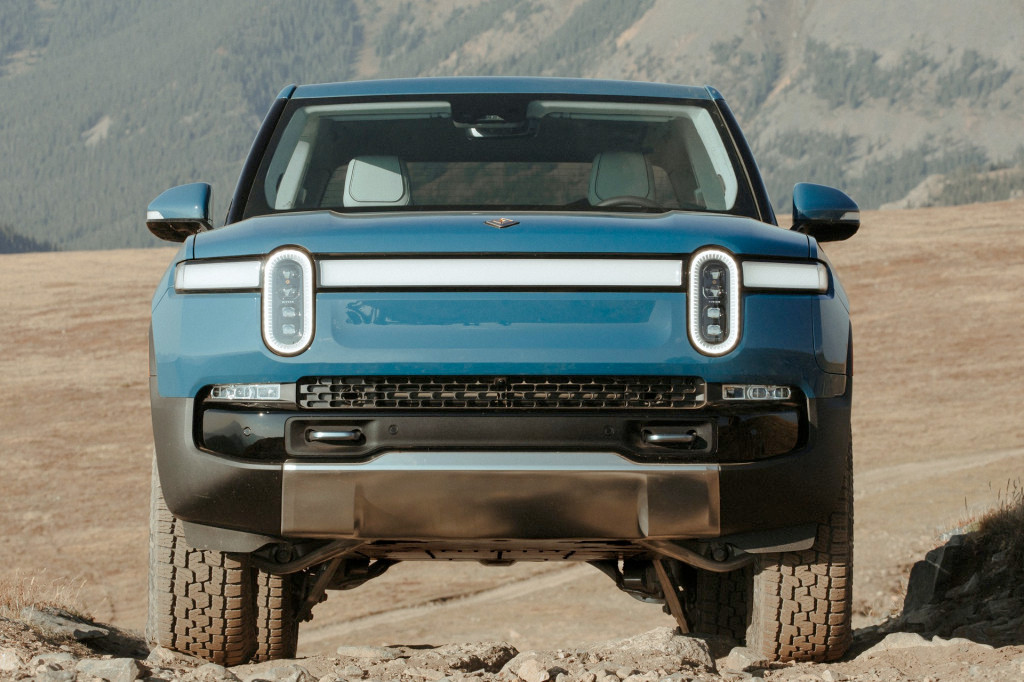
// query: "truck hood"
[[324, 232]]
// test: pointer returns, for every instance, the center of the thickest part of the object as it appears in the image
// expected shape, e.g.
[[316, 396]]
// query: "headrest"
[[376, 181], [617, 174]]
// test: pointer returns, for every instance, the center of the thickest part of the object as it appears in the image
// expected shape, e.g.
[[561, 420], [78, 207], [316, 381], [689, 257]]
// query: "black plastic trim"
[[520, 432], [792, 489], [790, 539], [726, 435], [201, 536], [754, 178], [255, 157], [228, 492]]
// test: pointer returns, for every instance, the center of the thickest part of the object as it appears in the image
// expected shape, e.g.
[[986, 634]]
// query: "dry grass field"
[[938, 427]]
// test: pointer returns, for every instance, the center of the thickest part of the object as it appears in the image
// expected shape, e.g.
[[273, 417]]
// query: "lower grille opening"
[[502, 392]]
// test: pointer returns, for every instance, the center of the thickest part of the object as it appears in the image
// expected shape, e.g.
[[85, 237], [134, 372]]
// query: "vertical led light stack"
[[713, 302], [288, 301]]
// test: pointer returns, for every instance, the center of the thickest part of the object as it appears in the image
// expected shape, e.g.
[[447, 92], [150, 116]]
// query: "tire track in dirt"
[[883, 479], [320, 638]]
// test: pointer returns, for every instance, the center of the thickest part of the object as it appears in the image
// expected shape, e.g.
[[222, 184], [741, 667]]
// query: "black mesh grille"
[[505, 392]]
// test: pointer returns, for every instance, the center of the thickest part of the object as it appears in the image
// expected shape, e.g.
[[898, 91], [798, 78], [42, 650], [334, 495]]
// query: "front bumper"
[[494, 497]]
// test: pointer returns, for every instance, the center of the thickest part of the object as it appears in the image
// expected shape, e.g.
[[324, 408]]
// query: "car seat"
[[619, 174], [376, 181]]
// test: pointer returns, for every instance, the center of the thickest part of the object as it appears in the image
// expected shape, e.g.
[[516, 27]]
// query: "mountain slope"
[[107, 104]]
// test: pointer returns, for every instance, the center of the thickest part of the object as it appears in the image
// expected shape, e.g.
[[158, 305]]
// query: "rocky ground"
[[963, 620], [657, 655]]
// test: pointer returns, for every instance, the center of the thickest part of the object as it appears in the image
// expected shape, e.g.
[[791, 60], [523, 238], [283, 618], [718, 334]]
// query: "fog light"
[[246, 392], [755, 392]]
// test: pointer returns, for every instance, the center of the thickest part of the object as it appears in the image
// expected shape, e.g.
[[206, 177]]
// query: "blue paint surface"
[[486, 85], [675, 232]]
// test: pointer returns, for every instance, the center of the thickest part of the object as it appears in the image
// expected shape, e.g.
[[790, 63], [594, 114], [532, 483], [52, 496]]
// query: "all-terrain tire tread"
[[801, 601], [201, 602], [277, 629], [722, 603]]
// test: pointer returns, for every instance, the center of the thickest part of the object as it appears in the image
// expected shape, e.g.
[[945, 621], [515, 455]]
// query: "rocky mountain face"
[[106, 106]]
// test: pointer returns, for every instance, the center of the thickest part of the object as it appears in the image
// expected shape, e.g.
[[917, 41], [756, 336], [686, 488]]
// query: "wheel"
[[801, 601], [201, 602], [277, 605], [722, 603]]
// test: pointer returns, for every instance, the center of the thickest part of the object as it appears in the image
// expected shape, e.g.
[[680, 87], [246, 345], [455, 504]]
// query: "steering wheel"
[[627, 200]]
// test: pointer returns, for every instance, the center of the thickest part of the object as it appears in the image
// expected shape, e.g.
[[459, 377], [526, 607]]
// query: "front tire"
[[722, 602], [801, 602], [277, 605], [201, 602]]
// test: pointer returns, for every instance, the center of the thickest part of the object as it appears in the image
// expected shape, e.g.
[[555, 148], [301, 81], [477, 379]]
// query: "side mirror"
[[824, 213], [180, 211]]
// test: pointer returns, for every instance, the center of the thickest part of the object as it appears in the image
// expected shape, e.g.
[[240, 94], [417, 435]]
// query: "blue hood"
[[324, 232]]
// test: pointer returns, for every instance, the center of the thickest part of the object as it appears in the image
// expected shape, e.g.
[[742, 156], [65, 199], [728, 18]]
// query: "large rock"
[[633, 659], [112, 669], [168, 658], [272, 671], [9, 660], [533, 670], [487, 656], [896, 640], [61, 659], [659, 649], [211, 672], [743, 659], [932, 577], [368, 653], [61, 623]]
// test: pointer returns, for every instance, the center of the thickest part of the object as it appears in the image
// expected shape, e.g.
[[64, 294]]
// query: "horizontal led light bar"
[[798, 276], [253, 392], [217, 275], [499, 272]]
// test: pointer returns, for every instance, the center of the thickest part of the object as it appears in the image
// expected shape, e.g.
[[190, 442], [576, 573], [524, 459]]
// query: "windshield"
[[499, 152]]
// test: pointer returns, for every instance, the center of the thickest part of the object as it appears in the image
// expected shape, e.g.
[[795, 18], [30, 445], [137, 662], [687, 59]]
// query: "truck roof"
[[493, 85]]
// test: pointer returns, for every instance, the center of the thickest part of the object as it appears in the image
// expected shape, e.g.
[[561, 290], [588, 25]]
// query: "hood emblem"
[[501, 223]]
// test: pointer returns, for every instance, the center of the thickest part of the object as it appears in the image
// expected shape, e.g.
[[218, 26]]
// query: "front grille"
[[502, 392]]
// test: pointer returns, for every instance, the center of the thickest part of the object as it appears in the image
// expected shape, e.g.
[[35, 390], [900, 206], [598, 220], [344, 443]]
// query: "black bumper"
[[471, 493]]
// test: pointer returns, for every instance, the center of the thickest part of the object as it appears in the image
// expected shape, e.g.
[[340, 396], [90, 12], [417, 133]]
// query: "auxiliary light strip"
[[500, 272], [799, 276], [199, 276]]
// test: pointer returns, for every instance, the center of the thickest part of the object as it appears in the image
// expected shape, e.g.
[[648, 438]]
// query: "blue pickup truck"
[[501, 320]]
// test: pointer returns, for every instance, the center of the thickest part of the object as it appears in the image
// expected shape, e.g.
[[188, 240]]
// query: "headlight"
[[288, 300], [713, 302]]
